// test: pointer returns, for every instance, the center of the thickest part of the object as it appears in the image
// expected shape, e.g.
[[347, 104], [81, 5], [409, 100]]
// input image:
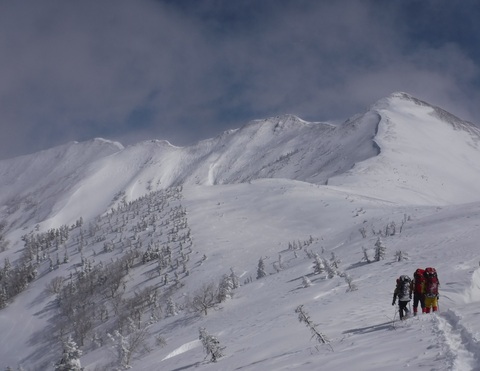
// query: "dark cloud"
[[187, 70]]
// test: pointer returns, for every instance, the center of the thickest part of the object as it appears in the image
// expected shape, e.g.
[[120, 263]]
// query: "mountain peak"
[[398, 98], [409, 105]]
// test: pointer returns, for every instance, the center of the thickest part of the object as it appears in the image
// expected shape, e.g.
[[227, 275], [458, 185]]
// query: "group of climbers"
[[424, 288]]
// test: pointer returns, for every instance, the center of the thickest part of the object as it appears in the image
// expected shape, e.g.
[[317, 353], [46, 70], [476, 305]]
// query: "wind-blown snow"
[[251, 192]]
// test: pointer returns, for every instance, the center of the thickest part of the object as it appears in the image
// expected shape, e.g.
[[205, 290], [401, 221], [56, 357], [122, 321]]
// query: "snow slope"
[[280, 147], [251, 194], [427, 156]]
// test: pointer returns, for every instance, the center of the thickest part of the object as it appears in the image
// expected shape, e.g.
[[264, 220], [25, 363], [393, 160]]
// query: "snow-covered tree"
[[329, 269], [235, 279], [261, 269], [128, 345], [306, 282], [211, 345], [318, 265], [278, 265], [54, 286], [171, 308], [304, 317], [225, 288], [3, 241], [366, 257], [350, 283], [204, 298], [380, 250], [400, 256], [3, 297], [391, 229], [334, 261], [71, 357]]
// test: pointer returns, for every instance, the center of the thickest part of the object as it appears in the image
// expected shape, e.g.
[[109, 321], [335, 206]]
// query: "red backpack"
[[419, 281], [431, 282]]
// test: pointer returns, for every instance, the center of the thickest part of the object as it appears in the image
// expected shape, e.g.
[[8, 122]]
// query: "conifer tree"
[[235, 279], [71, 357], [171, 309], [331, 272], [380, 250], [3, 297], [225, 288], [3, 241], [318, 265], [261, 269]]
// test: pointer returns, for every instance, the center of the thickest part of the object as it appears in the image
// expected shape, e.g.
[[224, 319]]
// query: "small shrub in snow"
[[54, 286], [363, 232], [400, 255], [160, 341], [350, 283], [306, 282]]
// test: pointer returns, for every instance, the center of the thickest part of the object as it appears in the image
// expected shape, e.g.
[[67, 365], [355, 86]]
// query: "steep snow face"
[[431, 155], [285, 147], [31, 185]]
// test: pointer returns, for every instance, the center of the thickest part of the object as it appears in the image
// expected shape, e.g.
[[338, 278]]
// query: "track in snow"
[[460, 348]]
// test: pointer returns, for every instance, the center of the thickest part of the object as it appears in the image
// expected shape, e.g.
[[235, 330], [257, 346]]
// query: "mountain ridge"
[[277, 147]]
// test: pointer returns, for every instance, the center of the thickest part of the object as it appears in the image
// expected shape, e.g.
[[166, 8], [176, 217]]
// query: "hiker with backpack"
[[431, 289], [418, 288], [403, 291]]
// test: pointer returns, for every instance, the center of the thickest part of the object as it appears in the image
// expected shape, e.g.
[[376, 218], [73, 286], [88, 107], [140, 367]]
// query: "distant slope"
[[427, 156], [61, 179], [396, 144], [33, 186]]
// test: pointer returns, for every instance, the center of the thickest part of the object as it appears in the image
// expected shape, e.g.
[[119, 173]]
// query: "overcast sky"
[[187, 70]]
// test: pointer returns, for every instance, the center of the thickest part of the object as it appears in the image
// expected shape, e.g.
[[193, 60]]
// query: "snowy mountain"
[[280, 147], [152, 224]]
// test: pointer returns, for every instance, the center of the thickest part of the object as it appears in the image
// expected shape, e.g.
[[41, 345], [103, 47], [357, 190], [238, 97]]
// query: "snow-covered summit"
[[429, 154]]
